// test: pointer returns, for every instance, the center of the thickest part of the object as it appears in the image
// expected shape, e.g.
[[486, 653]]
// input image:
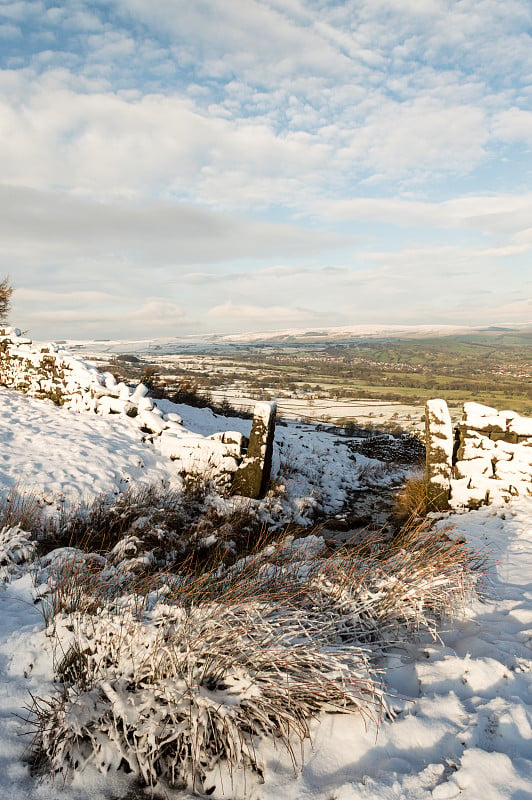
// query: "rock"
[[252, 476], [139, 392], [439, 438], [145, 404], [151, 422]]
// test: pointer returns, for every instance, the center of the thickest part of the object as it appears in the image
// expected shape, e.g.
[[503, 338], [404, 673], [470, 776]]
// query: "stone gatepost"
[[439, 438], [252, 476]]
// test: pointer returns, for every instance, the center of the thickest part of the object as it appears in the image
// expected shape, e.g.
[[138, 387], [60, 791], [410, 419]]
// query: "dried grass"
[[412, 501], [99, 525], [157, 529], [175, 675], [20, 509]]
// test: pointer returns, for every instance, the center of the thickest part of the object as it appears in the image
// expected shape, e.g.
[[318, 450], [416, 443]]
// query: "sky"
[[170, 167]]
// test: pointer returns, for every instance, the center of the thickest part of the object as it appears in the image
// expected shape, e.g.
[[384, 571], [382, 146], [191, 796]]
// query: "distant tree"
[[6, 290], [150, 376], [351, 427]]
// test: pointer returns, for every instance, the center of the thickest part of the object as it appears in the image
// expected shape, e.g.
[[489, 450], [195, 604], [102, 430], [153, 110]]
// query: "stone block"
[[439, 437], [252, 476]]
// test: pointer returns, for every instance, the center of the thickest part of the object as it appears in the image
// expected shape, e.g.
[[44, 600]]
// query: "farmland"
[[360, 378]]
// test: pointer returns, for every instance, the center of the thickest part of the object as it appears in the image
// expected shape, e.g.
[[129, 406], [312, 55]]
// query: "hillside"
[[455, 688]]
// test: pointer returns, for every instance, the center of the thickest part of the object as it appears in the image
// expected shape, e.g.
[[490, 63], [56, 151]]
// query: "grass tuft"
[[20, 509], [412, 501]]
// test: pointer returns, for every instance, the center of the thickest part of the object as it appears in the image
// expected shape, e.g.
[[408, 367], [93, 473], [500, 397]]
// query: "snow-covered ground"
[[54, 454], [362, 412], [463, 727], [57, 455], [463, 705]]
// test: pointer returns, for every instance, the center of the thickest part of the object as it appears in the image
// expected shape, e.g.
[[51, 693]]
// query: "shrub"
[[150, 376], [188, 392]]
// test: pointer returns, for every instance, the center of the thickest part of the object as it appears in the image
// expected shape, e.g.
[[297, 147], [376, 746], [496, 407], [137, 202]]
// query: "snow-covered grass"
[[183, 692], [178, 676]]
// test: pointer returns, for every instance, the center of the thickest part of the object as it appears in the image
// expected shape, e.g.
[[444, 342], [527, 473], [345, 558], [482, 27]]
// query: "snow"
[[462, 705], [464, 729], [491, 469], [264, 411], [54, 454], [522, 426], [481, 417], [440, 426]]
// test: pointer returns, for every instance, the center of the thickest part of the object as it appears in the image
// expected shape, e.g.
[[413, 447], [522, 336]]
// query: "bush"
[[187, 392]]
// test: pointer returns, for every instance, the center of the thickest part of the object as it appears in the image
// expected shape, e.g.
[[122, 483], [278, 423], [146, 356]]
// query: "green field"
[[492, 367]]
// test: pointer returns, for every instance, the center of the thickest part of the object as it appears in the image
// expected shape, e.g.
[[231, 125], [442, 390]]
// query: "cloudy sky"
[[188, 166]]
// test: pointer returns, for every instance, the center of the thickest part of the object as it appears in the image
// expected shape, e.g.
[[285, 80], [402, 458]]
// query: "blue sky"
[[188, 166]]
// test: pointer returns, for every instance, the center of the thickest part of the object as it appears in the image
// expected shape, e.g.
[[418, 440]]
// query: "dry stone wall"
[[50, 371], [486, 458]]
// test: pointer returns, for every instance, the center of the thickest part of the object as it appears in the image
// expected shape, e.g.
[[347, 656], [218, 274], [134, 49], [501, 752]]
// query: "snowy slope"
[[55, 453], [305, 335]]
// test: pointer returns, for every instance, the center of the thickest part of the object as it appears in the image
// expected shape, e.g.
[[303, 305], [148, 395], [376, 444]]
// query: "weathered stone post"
[[439, 438], [252, 476]]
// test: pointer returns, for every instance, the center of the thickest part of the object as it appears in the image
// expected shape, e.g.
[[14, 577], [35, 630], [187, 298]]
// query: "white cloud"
[[22, 9], [242, 36], [96, 314], [107, 143], [9, 31], [514, 124], [57, 226], [492, 214], [298, 110], [132, 130], [231, 317], [420, 137]]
